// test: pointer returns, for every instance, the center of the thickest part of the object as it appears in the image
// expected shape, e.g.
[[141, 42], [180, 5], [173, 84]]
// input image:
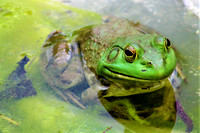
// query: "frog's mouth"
[[129, 85], [118, 75]]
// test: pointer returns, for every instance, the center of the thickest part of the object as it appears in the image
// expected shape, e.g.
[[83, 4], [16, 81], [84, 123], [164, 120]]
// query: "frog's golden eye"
[[167, 43], [130, 54]]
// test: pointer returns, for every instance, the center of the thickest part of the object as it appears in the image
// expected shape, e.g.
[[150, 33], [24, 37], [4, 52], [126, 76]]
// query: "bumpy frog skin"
[[132, 65], [106, 46], [121, 54]]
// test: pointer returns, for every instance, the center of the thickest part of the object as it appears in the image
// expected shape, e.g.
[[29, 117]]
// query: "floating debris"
[[9, 119], [107, 129], [186, 119]]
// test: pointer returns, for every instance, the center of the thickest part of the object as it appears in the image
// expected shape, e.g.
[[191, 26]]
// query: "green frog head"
[[142, 57]]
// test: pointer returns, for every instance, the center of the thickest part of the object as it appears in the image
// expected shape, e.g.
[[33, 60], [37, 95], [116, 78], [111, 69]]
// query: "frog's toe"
[[74, 99], [69, 97]]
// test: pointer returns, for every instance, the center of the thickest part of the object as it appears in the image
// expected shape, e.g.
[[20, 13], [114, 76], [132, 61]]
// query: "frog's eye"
[[130, 54], [167, 43]]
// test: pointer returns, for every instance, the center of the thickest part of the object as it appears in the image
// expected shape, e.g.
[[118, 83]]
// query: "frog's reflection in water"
[[143, 113]]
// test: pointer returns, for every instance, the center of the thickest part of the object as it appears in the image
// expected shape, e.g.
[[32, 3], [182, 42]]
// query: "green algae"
[[24, 26], [44, 113]]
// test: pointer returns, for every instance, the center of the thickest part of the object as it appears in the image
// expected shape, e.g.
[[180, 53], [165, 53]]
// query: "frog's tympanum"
[[131, 66]]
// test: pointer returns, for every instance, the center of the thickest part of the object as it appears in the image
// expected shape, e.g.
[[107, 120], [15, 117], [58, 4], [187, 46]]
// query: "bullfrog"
[[125, 68]]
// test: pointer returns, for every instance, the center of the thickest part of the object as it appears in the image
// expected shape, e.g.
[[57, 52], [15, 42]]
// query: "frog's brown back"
[[95, 40]]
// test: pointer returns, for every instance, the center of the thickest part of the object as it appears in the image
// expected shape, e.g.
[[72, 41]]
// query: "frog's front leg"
[[61, 66]]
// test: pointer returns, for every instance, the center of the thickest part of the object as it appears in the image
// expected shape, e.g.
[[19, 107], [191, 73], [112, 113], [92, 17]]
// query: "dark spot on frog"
[[143, 70]]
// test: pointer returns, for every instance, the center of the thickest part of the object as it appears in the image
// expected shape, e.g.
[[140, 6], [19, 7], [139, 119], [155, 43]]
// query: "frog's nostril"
[[149, 63], [146, 63]]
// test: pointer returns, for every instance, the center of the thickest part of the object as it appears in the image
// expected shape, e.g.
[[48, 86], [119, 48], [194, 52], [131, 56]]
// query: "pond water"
[[23, 29], [176, 19]]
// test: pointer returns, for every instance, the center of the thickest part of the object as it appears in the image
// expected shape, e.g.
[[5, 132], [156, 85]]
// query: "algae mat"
[[24, 26]]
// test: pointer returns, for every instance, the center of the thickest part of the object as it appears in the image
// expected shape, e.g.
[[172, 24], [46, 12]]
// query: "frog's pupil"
[[149, 63], [168, 43], [128, 53]]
